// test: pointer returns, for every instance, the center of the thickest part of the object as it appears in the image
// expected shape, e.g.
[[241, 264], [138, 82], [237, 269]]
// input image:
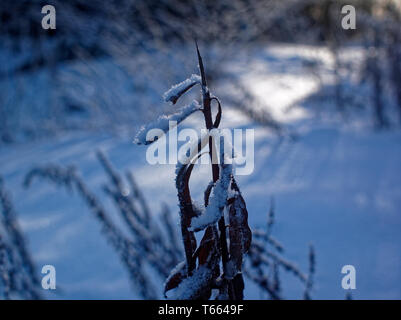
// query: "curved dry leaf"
[[175, 278]]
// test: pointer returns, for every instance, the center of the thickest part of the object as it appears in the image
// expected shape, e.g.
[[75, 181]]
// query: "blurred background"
[[325, 104]]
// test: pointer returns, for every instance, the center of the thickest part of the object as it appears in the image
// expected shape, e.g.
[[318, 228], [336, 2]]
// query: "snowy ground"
[[337, 187]]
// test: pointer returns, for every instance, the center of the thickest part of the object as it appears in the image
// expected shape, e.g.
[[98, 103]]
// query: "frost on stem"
[[176, 91], [165, 123]]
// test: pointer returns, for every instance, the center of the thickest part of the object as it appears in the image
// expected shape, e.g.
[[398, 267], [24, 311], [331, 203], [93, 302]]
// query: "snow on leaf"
[[165, 123], [175, 92], [194, 287], [175, 277], [218, 197]]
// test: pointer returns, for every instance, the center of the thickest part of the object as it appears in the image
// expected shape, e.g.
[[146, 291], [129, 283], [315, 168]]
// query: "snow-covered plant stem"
[[206, 100], [216, 264]]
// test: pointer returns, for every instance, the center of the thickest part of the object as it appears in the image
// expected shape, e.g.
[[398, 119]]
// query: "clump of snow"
[[218, 197], [217, 202], [164, 123], [198, 208], [177, 90]]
